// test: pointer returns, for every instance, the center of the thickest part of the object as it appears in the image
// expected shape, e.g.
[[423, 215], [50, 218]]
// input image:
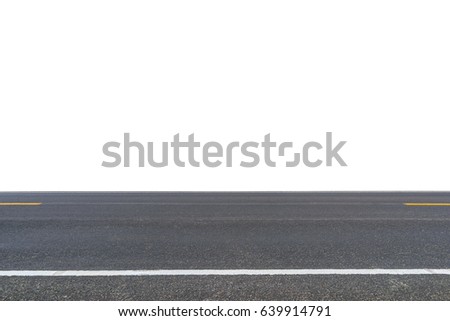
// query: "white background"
[[340, 311], [76, 74]]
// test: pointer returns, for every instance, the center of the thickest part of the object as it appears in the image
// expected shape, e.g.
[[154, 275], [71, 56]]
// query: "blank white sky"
[[74, 75]]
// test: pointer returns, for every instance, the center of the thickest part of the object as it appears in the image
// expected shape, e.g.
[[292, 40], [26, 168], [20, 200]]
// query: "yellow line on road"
[[20, 204], [426, 204]]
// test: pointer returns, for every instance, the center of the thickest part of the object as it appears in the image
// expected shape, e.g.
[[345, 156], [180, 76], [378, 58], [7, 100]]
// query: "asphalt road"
[[152, 231]]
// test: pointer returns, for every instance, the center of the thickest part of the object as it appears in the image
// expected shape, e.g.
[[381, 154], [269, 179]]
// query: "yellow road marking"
[[426, 204], [20, 204]]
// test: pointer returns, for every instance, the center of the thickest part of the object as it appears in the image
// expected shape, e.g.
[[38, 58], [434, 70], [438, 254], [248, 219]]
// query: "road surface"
[[407, 234]]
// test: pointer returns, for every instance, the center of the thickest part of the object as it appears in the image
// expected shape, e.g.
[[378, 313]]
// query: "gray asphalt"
[[115, 231]]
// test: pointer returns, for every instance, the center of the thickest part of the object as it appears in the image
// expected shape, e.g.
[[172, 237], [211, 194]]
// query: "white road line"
[[228, 272]]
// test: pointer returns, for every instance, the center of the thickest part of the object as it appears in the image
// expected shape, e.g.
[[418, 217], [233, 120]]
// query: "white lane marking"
[[222, 203], [228, 272]]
